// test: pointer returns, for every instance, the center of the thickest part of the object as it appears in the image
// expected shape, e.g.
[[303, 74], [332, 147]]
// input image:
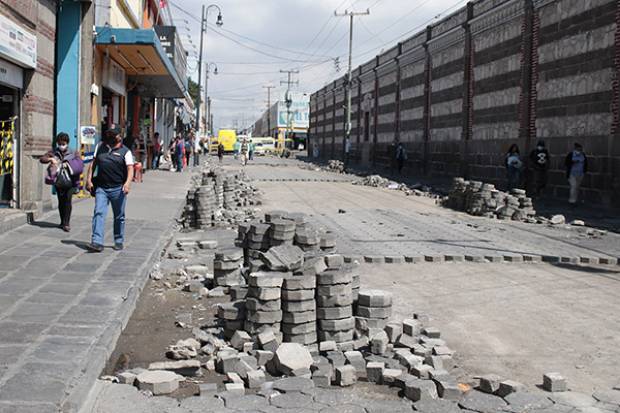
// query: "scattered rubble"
[[377, 181]]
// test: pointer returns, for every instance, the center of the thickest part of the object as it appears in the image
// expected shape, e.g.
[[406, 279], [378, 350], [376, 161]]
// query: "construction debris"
[[483, 199]]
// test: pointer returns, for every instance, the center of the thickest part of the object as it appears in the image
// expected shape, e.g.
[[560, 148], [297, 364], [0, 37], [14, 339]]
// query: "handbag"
[[63, 180]]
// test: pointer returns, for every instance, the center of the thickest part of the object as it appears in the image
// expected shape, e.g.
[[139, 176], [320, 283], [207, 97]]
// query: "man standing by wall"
[[109, 177], [576, 167], [347, 152], [539, 158]]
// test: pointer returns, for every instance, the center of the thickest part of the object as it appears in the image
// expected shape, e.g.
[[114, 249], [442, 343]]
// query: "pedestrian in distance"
[[63, 173], [197, 149], [109, 179], [513, 166], [156, 151], [189, 148], [251, 150], [244, 152], [400, 157], [220, 152], [347, 152], [576, 163], [172, 150], [539, 158], [179, 150]]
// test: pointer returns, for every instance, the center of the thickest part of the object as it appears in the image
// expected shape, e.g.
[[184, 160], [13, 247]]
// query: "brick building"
[[27, 54], [493, 73]]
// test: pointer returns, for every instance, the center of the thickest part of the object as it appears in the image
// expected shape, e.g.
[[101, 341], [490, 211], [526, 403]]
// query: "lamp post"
[[203, 30], [207, 101]]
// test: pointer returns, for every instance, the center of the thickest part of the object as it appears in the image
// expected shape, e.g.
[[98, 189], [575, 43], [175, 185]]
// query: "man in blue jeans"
[[110, 177]]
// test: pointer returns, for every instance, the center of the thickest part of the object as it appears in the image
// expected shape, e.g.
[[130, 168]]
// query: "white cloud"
[[237, 92]]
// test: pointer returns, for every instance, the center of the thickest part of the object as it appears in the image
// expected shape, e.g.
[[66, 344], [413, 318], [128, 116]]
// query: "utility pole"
[[351, 15], [287, 99], [268, 87], [208, 118], [203, 30]]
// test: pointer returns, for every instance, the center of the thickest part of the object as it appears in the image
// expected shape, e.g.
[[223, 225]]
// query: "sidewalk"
[[62, 309]]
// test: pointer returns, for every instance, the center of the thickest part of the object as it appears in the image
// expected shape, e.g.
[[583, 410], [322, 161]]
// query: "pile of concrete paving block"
[[483, 199], [227, 266], [218, 198], [263, 303]]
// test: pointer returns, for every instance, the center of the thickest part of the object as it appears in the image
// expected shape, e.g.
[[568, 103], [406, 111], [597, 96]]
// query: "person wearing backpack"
[[109, 177], [63, 173]]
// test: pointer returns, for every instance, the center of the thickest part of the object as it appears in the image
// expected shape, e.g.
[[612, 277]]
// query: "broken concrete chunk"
[[158, 381], [239, 339], [411, 327], [345, 375], [416, 390], [292, 356], [374, 298], [507, 387], [393, 331], [374, 372], [489, 383], [373, 312], [378, 343], [431, 332], [265, 279], [236, 389], [327, 346], [283, 258], [255, 379], [554, 382], [182, 367]]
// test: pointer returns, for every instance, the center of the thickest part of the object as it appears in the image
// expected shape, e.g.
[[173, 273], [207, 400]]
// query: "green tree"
[[194, 92]]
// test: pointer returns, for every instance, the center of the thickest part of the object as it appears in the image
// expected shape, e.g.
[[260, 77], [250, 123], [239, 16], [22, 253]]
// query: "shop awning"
[[142, 56]]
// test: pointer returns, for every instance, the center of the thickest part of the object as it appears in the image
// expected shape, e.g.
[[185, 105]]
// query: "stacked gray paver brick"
[[334, 299], [282, 232], [299, 309], [227, 267], [374, 308], [263, 302], [483, 199]]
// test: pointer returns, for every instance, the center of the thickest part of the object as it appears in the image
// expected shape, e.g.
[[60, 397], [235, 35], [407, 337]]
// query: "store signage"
[[88, 135], [11, 75], [17, 44], [114, 77]]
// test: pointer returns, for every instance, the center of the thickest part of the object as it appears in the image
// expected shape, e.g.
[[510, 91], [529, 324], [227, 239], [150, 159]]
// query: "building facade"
[[494, 73], [279, 118], [27, 55]]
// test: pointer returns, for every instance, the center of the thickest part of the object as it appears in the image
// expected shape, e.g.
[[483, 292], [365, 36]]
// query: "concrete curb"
[[482, 259]]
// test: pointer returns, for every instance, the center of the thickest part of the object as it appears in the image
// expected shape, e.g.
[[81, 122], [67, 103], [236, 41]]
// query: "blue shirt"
[[577, 167]]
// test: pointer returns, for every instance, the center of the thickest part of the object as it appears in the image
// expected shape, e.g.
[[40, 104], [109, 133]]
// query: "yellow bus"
[[228, 138]]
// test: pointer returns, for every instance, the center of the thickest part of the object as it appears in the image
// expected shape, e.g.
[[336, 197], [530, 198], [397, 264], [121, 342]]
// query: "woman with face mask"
[[61, 157]]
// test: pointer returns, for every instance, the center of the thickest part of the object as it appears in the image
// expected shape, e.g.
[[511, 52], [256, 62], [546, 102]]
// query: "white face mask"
[[540, 148], [62, 147]]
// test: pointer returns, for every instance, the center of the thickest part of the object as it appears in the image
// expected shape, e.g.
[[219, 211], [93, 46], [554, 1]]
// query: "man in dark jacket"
[[576, 163], [539, 159], [110, 176]]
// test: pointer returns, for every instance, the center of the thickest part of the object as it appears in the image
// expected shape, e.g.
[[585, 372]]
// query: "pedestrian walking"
[[401, 157], [197, 150], [63, 173], [251, 148], [220, 152], [157, 143], [189, 147], [244, 152], [539, 159], [347, 152], [109, 177], [513, 166], [576, 163], [179, 150]]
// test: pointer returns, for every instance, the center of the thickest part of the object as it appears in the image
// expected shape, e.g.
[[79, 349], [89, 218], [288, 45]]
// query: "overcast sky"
[[291, 34]]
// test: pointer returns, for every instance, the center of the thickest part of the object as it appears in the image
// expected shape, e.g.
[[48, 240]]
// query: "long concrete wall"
[[495, 72]]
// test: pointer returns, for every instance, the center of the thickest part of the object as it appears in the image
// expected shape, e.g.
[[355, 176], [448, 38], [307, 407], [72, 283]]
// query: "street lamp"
[[203, 30], [207, 102]]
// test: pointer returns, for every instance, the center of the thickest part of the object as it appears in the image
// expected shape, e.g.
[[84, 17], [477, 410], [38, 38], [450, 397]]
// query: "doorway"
[[8, 146]]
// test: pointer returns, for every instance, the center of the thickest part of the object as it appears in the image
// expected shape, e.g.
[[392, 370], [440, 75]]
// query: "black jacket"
[[540, 159]]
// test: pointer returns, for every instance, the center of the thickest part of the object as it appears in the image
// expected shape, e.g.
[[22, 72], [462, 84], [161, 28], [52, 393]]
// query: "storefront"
[[113, 95], [17, 51], [149, 74]]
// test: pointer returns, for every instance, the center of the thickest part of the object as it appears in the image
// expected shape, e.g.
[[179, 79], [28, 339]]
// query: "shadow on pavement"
[[83, 245], [44, 224], [588, 269]]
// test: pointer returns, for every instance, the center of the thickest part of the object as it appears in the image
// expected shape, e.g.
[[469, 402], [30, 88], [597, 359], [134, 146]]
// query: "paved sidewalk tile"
[[57, 301]]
